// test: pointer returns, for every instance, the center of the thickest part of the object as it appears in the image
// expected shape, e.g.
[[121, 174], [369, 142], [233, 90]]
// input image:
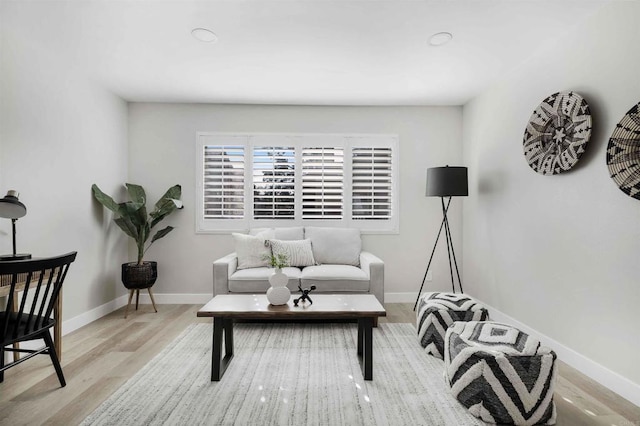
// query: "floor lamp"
[[445, 182]]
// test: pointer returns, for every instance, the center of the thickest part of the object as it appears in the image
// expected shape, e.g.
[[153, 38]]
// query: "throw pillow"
[[298, 253], [335, 246], [251, 250]]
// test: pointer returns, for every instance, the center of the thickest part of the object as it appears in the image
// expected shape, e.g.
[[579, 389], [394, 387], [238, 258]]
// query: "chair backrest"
[[40, 281]]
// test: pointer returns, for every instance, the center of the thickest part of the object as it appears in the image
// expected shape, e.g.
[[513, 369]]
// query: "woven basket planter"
[[136, 276]]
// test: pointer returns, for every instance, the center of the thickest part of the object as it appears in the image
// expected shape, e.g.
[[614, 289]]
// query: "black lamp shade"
[[10, 207], [447, 182]]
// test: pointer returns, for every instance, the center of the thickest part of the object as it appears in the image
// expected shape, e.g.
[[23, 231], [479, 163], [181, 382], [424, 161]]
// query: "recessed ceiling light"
[[438, 39], [204, 35]]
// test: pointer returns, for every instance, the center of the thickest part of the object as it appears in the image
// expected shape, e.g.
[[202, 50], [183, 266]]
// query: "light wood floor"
[[100, 357]]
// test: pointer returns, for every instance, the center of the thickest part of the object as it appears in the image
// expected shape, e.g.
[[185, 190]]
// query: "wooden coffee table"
[[225, 308]]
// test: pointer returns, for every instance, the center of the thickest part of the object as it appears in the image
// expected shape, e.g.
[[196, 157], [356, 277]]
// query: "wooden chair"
[[39, 281]]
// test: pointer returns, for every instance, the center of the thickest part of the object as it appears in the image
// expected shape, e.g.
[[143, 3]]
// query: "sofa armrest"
[[374, 267], [223, 268]]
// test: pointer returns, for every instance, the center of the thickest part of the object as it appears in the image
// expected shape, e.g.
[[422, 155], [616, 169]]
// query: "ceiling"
[[312, 52]]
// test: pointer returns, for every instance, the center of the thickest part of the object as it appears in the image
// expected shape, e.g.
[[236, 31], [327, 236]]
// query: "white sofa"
[[339, 264]]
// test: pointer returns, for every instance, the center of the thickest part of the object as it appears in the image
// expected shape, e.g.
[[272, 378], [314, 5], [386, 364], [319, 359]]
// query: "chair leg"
[[16, 355], [153, 302], [126, 311], [54, 357], [1, 363], [137, 297]]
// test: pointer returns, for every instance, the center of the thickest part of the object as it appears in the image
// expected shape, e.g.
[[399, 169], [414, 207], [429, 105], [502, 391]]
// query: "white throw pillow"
[[251, 250], [335, 246], [298, 253]]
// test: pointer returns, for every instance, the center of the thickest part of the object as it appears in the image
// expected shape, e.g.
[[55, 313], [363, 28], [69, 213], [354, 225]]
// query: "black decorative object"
[[305, 295], [445, 182], [557, 133], [623, 153], [12, 208]]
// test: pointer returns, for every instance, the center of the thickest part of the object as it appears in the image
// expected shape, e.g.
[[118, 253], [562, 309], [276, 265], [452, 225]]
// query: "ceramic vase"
[[278, 293]]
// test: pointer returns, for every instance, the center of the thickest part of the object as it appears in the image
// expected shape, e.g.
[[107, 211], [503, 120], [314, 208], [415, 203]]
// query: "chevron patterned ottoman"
[[437, 311], [500, 374]]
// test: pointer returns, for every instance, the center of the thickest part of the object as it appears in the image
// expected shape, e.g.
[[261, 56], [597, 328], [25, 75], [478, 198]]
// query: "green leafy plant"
[[278, 261], [132, 217]]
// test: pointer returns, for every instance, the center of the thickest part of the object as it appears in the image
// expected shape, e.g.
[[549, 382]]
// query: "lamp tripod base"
[[450, 252], [10, 257]]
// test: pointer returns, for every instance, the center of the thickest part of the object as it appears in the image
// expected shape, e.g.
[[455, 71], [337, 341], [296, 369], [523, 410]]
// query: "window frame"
[[299, 141]]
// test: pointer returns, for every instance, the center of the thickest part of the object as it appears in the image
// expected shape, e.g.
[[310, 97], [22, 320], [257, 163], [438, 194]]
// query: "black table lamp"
[[445, 182], [11, 208]]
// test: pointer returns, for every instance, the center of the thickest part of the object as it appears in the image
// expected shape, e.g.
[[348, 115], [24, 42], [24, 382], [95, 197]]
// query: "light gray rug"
[[288, 374]]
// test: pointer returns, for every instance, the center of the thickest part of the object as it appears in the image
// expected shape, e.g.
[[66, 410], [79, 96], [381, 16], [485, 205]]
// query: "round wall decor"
[[557, 133], [623, 153]]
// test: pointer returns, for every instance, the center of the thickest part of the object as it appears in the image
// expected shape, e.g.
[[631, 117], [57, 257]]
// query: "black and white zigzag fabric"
[[437, 311], [501, 374]]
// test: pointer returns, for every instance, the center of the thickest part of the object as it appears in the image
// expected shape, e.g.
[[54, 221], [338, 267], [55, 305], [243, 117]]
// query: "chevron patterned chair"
[[437, 311], [500, 374]]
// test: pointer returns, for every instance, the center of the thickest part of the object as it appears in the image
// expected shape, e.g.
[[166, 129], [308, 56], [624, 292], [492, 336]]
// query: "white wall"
[[162, 153], [60, 133], [559, 253]]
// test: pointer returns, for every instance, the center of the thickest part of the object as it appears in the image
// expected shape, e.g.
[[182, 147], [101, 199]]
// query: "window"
[[322, 183], [371, 191], [267, 180], [273, 182], [223, 182]]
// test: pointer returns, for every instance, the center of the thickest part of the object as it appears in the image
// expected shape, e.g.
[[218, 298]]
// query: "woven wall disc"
[[557, 133], [623, 153]]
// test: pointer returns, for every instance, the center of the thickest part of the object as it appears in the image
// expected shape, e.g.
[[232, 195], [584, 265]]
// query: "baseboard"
[[176, 298], [409, 297], [79, 321], [607, 378], [88, 317]]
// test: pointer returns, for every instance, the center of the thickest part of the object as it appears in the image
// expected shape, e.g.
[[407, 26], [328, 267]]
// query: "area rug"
[[288, 374]]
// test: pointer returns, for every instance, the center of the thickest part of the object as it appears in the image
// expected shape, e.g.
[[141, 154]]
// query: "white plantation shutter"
[[223, 181], [322, 183], [273, 182], [372, 185], [254, 180]]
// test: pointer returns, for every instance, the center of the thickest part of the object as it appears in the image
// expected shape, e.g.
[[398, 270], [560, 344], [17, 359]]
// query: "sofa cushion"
[[335, 246], [297, 253], [256, 280], [286, 233], [251, 250], [335, 278]]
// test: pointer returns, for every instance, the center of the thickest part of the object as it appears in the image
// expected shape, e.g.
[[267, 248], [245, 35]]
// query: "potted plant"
[[278, 261], [132, 218]]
